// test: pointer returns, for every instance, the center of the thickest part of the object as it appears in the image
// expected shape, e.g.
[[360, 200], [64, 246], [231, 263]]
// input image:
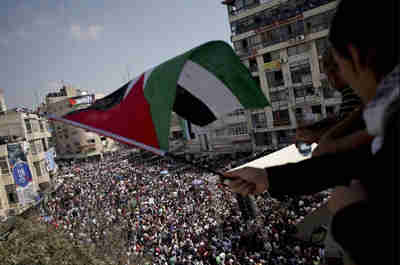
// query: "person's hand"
[[306, 135], [325, 147], [247, 180], [343, 196]]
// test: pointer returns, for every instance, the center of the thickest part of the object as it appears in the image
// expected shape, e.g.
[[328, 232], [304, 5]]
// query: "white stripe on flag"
[[208, 88]]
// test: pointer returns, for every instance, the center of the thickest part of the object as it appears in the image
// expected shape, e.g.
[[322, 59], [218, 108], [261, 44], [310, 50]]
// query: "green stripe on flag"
[[227, 67], [219, 59], [160, 93]]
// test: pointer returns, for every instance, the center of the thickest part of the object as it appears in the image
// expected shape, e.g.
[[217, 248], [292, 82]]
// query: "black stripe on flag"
[[107, 102], [191, 108], [111, 100]]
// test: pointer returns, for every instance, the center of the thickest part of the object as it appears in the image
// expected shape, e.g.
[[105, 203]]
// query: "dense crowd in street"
[[175, 214]]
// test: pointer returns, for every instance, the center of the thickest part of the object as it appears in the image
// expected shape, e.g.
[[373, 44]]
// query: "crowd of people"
[[173, 213]]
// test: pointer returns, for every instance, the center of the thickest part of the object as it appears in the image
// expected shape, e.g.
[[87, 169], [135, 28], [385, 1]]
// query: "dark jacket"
[[366, 230]]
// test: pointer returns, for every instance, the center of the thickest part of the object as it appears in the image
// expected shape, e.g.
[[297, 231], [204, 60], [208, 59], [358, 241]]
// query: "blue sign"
[[50, 160], [22, 175]]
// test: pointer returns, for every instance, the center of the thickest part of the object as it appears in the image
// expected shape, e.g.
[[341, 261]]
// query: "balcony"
[[234, 12], [273, 16]]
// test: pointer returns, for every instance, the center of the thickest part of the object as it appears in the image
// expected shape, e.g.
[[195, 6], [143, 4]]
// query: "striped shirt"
[[350, 101]]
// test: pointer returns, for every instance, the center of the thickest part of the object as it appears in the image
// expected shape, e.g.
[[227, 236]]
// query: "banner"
[[21, 173], [49, 158]]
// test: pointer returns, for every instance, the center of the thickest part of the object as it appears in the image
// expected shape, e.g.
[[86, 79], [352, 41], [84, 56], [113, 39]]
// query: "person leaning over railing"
[[366, 51]]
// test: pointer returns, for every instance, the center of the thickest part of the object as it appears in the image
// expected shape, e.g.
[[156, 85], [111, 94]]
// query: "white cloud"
[[92, 32]]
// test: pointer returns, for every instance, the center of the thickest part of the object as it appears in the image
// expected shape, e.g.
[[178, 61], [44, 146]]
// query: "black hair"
[[370, 27]]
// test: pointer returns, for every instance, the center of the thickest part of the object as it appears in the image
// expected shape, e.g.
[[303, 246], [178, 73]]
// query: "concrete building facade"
[[72, 142], [30, 131], [282, 42]]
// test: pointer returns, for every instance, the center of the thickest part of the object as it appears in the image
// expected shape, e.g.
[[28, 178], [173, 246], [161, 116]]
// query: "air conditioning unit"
[[300, 37]]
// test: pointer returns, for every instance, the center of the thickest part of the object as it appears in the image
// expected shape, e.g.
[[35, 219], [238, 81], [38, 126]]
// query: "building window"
[[271, 37], [275, 78], [44, 144], [41, 126], [11, 194], [281, 95], [238, 129], [28, 126], [271, 56], [300, 92], [259, 120], [319, 22], [327, 90], [263, 139], [316, 109], [34, 150], [253, 65], [4, 166], [39, 146], [285, 137], [301, 73], [298, 49], [38, 169], [330, 111], [267, 57], [254, 40], [281, 117], [322, 45]]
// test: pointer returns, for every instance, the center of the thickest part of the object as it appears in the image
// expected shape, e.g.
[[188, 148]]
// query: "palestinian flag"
[[80, 100], [200, 86]]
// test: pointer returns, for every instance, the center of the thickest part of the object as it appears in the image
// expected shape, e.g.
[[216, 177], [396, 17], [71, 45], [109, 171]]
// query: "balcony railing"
[[243, 9], [285, 13]]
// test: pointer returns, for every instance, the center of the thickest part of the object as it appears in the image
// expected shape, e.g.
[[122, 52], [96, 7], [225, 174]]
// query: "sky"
[[96, 45]]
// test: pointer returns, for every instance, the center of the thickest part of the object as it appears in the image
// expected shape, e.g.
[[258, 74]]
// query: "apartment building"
[[72, 142], [31, 134], [3, 106], [282, 42]]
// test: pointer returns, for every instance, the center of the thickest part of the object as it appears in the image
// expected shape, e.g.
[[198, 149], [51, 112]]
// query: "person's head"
[[364, 43], [331, 69]]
